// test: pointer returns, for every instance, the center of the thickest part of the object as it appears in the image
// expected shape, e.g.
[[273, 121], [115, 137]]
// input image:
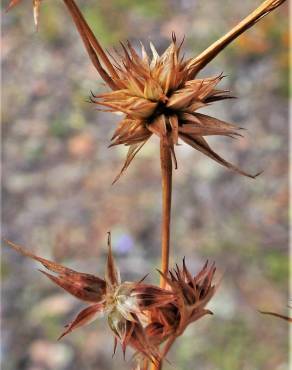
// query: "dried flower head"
[[192, 293], [140, 315], [126, 305], [161, 96]]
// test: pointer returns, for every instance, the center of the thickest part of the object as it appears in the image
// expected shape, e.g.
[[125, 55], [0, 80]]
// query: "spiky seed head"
[[161, 95]]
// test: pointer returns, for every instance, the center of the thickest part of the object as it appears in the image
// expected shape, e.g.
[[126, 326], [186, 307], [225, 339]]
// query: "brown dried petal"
[[135, 134], [203, 125], [197, 314], [181, 99], [126, 127], [149, 296], [140, 343], [173, 121], [83, 286], [158, 126], [89, 292], [153, 90], [84, 317], [156, 333], [141, 108], [112, 273], [132, 333], [133, 150], [199, 143]]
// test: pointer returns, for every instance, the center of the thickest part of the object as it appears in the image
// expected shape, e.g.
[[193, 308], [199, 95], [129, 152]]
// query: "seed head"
[[192, 293], [161, 96], [125, 304]]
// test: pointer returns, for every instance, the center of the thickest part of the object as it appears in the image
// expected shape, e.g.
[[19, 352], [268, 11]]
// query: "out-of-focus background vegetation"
[[58, 200]]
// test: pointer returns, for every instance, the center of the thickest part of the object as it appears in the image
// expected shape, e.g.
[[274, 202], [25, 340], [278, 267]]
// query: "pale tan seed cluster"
[[161, 96]]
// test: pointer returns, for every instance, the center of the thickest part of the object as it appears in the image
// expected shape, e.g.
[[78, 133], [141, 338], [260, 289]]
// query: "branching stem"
[[92, 46], [213, 50]]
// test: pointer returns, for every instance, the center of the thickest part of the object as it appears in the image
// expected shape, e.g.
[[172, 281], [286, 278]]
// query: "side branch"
[[211, 52], [92, 46]]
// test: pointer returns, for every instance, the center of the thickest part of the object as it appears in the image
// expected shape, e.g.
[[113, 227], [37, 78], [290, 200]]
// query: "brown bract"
[[192, 293]]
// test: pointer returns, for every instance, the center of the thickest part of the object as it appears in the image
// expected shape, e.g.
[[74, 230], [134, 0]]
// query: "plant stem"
[[166, 348], [91, 44], [166, 183], [213, 50]]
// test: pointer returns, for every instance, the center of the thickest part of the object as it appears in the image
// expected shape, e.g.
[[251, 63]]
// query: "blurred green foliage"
[[277, 266]]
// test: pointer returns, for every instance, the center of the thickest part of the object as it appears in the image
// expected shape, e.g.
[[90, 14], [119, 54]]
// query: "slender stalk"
[[166, 182], [168, 345], [213, 50], [165, 351], [92, 46], [95, 42], [156, 367]]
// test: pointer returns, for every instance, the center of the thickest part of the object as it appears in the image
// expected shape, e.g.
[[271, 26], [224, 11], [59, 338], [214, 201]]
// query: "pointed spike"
[[112, 275], [115, 346], [85, 317], [143, 278]]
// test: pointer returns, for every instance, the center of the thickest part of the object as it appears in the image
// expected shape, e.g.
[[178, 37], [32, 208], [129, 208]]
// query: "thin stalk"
[[165, 351], [166, 182], [93, 40], [213, 50], [91, 44], [168, 345]]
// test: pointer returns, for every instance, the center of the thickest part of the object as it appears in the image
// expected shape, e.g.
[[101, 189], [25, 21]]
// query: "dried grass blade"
[[212, 51]]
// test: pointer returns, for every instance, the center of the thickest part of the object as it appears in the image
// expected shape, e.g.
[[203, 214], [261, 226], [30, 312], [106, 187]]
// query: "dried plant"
[[158, 95], [140, 315], [161, 96]]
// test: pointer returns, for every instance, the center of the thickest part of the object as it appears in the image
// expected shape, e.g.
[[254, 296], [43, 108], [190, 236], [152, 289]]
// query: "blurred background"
[[58, 200]]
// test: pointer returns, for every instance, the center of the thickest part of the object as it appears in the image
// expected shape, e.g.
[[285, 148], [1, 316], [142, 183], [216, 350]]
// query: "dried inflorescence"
[[192, 295], [158, 95], [140, 315], [161, 96]]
